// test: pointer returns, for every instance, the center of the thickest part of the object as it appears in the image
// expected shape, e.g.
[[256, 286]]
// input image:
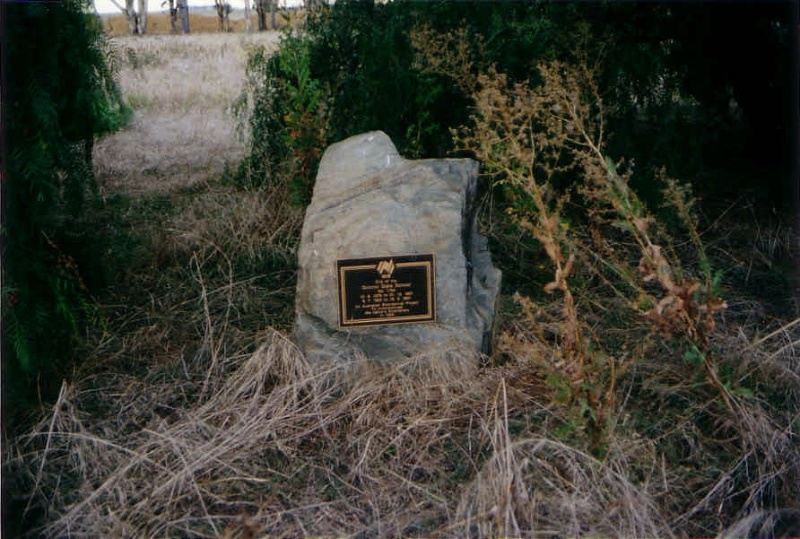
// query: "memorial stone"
[[390, 260]]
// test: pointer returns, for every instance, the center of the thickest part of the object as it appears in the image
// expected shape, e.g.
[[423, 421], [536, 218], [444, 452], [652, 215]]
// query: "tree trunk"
[[248, 24], [794, 125], [142, 17], [272, 13], [173, 17], [262, 15], [220, 15], [183, 12], [130, 13]]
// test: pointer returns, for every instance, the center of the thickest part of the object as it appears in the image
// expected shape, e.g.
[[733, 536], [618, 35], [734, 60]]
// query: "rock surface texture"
[[370, 202]]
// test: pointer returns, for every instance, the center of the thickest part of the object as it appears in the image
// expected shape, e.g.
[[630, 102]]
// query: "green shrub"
[[356, 68]]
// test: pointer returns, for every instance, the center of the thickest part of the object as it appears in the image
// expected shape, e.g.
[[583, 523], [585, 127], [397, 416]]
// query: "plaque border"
[[352, 264]]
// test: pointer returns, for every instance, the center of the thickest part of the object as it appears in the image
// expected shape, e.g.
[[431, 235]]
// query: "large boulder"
[[370, 203]]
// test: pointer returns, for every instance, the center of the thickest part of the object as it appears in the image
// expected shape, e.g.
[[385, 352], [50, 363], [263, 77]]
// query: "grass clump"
[[251, 448], [262, 442]]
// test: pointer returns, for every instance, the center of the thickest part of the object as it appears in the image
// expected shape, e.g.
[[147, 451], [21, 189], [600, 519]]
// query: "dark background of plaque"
[[354, 279]]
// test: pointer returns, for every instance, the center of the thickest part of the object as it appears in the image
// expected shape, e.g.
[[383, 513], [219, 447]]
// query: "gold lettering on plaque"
[[392, 290]]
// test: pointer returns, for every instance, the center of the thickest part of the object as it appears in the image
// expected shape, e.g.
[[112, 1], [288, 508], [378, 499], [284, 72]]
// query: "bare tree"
[[134, 19], [261, 10], [272, 13], [142, 17], [219, 6], [173, 15], [248, 25], [183, 13], [223, 15]]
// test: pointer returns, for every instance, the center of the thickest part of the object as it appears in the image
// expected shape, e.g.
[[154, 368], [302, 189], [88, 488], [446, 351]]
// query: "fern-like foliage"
[[58, 95]]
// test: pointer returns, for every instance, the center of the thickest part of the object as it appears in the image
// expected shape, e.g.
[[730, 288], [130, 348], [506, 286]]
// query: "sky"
[[154, 6]]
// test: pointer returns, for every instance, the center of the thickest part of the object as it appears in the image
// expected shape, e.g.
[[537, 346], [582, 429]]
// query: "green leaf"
[[694, 355], [611, 166], [566, 429], [716, 281], [623, 225], [745, 392]]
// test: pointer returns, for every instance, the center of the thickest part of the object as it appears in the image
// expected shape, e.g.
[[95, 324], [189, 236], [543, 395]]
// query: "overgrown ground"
[[187, 237], [193, 414]]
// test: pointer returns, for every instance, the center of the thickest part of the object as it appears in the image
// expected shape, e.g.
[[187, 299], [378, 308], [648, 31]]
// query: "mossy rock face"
[[370, 203]]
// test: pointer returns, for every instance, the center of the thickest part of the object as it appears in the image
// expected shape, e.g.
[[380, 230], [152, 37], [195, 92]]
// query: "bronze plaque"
[[386, 290]]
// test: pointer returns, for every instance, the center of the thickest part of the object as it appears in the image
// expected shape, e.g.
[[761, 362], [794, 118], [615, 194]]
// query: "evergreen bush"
[[58, 95]]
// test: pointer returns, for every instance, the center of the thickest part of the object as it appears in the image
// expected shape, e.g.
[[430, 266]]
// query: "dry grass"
[[178, 231], [719, 465], [261, 444], [181, 89], [539, 487], [272, 445], [264, 443], [199, 23]]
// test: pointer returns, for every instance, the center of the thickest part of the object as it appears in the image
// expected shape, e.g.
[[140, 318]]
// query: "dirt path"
[[181, 89], [165, 215]]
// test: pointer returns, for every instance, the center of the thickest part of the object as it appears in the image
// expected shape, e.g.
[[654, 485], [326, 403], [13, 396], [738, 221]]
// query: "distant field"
[[181, 89], [205, 22]]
